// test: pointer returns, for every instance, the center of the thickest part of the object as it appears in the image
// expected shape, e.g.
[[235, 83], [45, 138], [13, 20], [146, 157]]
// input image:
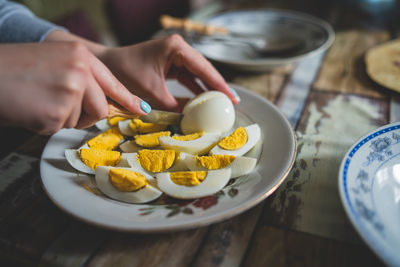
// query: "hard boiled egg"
[[187, 185], [107, 123], [211, 111], [137, 126], [197, 143], [239, 142], [125, 184], [239, 165], [155, 161], [87, 160]]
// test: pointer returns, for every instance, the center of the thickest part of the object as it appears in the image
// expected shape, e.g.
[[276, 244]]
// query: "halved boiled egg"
[[239, 142], [107, 123], [211, 111], [193, 184], [87, 160], [107, 140], [125, 184], [137, 126], [239, 165], [150, 140], [197, 143], [155, 161]]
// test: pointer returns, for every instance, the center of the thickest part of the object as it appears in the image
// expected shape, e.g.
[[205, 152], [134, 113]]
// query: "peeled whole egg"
[[145, 194], [213, 182], [211, 111]]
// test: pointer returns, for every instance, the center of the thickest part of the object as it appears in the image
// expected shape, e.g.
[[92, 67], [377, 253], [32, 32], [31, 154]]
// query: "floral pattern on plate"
[[369, 183]]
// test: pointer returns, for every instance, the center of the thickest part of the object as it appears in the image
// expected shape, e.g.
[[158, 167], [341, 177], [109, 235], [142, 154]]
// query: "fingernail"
[[236, 94], [145, 106]]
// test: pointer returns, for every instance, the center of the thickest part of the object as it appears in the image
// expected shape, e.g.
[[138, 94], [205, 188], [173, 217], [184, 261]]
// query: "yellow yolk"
[[156, 160], [107, 140], [216, 161], [188, 178], [188, 137], [235, 140], [94, 158], [146, 127], [150, 140], [114, 120], [126, 180]]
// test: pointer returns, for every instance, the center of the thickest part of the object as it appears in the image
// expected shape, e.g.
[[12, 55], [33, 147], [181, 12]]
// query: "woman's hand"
[[48, 86], [143, 69]]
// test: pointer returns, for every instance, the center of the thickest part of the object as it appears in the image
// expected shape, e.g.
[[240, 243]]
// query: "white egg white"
[[72, 156], [179, 164], [239, 166], [125, 129], [201, 98], [143, 195], [197, 146], [214, 182], [103, 125], [209, 114], [254, 134]]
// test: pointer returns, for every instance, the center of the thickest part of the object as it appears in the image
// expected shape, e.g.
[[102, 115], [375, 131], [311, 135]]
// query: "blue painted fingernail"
[[145, 106], [236, 94]]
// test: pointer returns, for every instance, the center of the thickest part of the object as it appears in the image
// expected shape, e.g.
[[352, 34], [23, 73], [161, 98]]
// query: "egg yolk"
[[107, 140], [114, 120], [150, 140], [235, 140], [146, 127], [215, 162], [156, 160], [127, 180], [188, 137], [94, 158], [188, 178]]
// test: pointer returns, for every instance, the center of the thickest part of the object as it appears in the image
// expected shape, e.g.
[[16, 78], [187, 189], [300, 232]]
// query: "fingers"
[[115, 90], [187, 57], [188, 80], [94, 105]]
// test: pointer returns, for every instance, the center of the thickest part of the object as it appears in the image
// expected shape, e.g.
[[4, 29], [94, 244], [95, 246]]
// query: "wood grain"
[[343, 69]]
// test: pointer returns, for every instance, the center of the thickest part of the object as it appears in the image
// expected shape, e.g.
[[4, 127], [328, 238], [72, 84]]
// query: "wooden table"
[[331, 103]]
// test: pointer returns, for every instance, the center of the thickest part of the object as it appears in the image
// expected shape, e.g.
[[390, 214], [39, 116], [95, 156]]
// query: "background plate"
[[369, 184], [76, 193], [315, 34]]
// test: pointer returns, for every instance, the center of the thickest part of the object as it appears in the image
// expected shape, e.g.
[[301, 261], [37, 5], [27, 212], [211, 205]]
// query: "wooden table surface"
[[330, 102]]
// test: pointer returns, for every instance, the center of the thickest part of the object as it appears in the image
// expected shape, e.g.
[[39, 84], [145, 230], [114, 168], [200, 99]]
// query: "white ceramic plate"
[[315, 35], [369, 184], [76, 193]]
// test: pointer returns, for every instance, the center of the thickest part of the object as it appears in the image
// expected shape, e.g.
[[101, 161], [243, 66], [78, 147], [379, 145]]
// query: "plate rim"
[[211, 219], [379, 248], [282, 61]]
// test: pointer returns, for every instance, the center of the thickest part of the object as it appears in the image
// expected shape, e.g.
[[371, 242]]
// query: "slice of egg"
[[125, 128], [179, 163], [198, 146], [145, 194], [107, 123], [239, 166], [73, 158], [210, 111], [215, 181], [253, 136]]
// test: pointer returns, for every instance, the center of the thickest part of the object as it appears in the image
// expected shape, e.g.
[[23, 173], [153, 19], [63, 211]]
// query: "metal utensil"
[[198, 33], [155, 116]]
